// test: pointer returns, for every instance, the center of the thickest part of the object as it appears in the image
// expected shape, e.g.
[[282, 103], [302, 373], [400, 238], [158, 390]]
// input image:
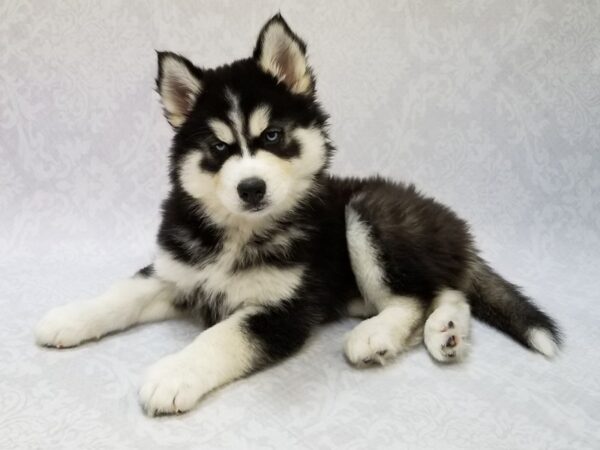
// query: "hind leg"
[[360, 309], [447, 327], [389, 332]]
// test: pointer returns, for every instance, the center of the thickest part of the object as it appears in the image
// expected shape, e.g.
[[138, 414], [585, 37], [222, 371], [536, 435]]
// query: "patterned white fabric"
[[492, 106]]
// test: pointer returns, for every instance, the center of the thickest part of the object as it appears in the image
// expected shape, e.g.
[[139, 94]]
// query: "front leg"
[[139, 299], [248, 340]]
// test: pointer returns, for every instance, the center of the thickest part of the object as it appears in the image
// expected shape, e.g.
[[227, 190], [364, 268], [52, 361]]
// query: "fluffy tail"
[[502, 305]]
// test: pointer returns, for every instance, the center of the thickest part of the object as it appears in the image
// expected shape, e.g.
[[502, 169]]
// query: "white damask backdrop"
[[492, 106]]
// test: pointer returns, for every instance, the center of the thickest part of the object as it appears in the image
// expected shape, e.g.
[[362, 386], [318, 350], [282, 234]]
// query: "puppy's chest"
[[238, 274]]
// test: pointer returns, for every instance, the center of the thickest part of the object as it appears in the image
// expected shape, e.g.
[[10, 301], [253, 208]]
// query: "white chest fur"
[[255, 286]]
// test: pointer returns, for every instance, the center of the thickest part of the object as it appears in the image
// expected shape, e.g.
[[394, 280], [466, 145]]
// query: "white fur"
[[199, 184], [542, 341], [283, 58], [175, 77], [259, 120], [222, 131], [273, 170], [218, 192], [237, 118], [448, 306], [287, 181], [380, 338], [129, 302], [383, 336], [313, 154], [218, 356], [359, 308], [262, 285], [364, 259]]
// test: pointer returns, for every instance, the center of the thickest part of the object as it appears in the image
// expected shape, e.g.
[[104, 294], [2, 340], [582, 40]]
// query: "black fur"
[[424, 246], [257, 88], [281, 331], [147, 271], [182, 225], [502, 305]]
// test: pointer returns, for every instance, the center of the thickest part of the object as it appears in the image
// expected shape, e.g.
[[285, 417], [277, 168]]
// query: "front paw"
[[65, 326], [373, 341], [172, 385]]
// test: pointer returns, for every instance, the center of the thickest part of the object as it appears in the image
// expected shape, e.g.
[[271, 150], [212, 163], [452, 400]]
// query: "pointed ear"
[[179, 83], [281, 53]]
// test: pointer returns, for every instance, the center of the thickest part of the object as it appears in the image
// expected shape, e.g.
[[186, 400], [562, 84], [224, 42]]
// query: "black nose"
[[252, 190]]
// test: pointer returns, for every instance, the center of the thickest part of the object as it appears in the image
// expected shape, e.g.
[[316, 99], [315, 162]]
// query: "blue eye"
[[219, 146], [272, 136]]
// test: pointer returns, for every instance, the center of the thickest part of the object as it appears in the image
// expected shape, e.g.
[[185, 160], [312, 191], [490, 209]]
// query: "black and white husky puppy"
[[261, 241]]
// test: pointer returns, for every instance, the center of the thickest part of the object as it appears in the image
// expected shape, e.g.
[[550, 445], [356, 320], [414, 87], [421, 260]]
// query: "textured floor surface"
[[501, 397]]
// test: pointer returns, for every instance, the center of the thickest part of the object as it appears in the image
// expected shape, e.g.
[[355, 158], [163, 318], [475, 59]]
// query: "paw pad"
[[451, 342], [445, 337]]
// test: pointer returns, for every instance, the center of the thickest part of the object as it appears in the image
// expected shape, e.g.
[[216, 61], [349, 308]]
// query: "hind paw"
[[446, 333], [445, 344]]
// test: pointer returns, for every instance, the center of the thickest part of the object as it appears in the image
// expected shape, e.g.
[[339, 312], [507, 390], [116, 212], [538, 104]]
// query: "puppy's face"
[[250, 136]]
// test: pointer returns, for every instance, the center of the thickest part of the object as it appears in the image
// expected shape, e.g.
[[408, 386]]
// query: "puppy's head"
[[250, 137]]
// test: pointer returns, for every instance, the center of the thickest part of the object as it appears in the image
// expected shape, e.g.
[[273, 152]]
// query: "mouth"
[[255, 208]]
